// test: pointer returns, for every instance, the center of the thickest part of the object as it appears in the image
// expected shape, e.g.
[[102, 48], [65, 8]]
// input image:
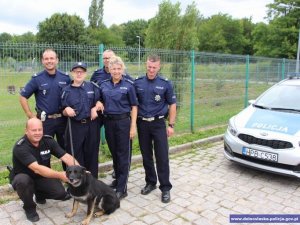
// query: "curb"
[[173, 150], [138, 158]]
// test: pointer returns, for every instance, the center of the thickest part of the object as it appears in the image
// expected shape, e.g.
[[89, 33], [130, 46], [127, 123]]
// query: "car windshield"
[[280, 97]]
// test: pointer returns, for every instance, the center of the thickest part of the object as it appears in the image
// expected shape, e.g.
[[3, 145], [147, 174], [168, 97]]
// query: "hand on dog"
[[63, 176]]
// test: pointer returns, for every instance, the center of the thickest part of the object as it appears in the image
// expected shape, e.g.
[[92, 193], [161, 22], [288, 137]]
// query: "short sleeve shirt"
[[24, 153]]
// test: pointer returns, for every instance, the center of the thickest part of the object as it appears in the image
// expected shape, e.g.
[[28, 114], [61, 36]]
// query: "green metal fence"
[[210, 87]]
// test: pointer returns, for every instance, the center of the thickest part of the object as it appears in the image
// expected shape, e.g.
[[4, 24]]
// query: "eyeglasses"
[[106, 58], [79, 71]]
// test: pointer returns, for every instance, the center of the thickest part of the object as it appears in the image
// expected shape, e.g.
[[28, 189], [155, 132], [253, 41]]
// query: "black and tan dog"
[[84, 188]]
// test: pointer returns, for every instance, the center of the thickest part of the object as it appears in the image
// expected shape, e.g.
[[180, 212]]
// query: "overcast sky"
[[20, 16]]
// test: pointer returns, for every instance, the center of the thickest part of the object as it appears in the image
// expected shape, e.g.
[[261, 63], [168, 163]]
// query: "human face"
[[116, 70], [34, 131], [50, 61], [106, 58], [152, 69], [79, 75]]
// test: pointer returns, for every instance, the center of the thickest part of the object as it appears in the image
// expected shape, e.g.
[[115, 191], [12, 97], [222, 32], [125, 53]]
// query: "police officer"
[[103, 74], [32, 172], [79, 101], [157, 101], [46, 87], [120, 112]]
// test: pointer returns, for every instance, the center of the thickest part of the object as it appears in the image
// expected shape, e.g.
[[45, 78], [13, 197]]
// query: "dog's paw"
[[99, 213], [85, 222], [69, 215]]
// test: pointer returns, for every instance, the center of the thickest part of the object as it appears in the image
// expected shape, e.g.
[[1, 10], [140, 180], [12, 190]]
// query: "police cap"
[[79, 64]]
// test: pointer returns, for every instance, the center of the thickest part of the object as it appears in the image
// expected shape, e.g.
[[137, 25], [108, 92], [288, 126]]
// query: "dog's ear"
[[83, 169]]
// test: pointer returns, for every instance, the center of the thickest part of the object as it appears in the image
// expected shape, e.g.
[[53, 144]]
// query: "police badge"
[[44, 92], [157, 98]]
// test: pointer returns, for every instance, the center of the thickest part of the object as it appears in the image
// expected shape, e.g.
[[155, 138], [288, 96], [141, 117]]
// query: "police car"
[[266, 134]]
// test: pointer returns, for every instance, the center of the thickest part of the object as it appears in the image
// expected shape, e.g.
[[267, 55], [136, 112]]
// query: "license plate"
[[268, 156]]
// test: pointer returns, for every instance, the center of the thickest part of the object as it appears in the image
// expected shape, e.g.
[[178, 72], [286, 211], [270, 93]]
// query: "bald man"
[[33, 175]]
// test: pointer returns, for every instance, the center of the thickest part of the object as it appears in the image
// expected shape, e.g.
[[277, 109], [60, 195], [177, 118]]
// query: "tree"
[[281, 36], [221, 33], [96, 13], [132, 29], [27, 37], [5, 37], [62, 28]]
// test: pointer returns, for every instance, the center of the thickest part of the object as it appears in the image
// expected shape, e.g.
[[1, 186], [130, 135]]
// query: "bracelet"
[[171, 125]]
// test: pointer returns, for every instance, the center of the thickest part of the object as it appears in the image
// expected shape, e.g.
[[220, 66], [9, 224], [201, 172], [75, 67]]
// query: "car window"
[[281, 96]]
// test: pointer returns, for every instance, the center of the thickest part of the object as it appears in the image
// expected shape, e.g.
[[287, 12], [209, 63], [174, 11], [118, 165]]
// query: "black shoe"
[[113, 175], [147, 189], [165, 196], [32, 215], [121, 195], [67, 196], [113, 184], [41, 201]]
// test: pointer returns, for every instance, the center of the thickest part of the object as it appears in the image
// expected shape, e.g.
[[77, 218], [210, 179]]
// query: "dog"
[[84, 188]]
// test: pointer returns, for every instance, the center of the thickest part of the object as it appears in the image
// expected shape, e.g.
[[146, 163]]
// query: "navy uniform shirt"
[[24, 153], [47, 90], [118, 98], [154, 96], [81, 98], [101, 75]]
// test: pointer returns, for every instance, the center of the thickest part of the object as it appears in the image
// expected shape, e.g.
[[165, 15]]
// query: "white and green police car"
[[266, 134]]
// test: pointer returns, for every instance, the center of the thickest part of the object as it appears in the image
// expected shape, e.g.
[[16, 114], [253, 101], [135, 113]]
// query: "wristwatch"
[[171, 125]]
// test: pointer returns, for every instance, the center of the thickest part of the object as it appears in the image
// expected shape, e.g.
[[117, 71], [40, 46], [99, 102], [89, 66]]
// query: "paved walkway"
[[207, 189]]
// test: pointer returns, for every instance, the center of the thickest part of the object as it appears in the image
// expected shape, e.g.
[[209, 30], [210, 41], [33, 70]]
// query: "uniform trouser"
[[43, 188], [56, 127], [119, 144], [86, 139], [154, 133]]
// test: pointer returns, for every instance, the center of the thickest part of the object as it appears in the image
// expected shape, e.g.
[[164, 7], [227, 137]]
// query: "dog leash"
[[71, 138]]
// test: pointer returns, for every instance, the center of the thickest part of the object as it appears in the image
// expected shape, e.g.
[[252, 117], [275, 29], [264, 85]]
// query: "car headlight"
[[231, 127]]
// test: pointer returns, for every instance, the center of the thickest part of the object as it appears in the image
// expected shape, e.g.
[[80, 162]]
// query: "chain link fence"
[[210, 87]]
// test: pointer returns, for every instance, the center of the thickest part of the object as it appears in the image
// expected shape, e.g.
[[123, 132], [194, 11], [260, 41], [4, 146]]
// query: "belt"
[[86, 120], [150, 119], [54, 116], [116, 116]]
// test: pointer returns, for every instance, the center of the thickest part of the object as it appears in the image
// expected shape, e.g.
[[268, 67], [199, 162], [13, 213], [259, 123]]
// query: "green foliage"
[[221, 33], [96, 13], [132, 30], [103, 36], [163, 28], [5, 37], [61, 28]]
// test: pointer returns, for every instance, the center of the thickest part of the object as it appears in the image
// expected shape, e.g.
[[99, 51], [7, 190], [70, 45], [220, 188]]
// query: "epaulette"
[[21, 141], [140, 77], [163, 78], [36, 74], [48, 136], [129, 81], [106, 80], [95, 84]]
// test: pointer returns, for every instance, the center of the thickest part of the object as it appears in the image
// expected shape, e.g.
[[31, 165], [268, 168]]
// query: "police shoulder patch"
[[48, 136], [21, 141]]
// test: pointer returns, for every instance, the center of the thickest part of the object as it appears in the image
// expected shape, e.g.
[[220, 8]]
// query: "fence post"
[[283, 69], [192, 90], [101, 49], [102, 132], [246, 81]]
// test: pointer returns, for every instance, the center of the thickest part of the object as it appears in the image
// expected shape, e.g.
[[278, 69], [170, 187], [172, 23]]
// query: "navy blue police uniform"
[[101, 75], [118, 100], [26, 182], [85, 132], [154, 97], [47, 91]]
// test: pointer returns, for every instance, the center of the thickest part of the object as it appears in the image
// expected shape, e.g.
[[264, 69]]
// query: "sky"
[[21, 16]]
